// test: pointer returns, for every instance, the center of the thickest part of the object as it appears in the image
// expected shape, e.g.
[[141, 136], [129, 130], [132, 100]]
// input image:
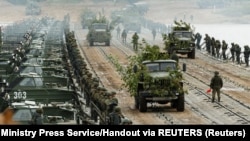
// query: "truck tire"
[[142, 104], [107, 43], [191, 54], [136, 102], [180, 103], [91, 43]]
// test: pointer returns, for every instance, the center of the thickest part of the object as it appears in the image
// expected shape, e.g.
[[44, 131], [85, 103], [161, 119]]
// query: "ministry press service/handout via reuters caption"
[[125, 132]]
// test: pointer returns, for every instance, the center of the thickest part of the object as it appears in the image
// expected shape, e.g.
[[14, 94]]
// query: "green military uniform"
[[135, 39], [216, 84]]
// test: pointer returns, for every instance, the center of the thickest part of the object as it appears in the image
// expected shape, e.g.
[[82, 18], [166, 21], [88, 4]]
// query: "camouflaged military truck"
[[160, 82], [99, 33], [182, 41]]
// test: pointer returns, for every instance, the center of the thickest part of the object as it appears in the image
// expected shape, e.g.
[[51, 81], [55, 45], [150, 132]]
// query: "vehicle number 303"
[[20, 95]]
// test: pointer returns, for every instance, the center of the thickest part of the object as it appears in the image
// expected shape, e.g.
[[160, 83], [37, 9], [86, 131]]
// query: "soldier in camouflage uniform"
[[135, 39], [216, 84], [238, 52], [217, 48], [115, 117], [232, 50], [246, 54], [213, 44], [224, 49], [111, 102]]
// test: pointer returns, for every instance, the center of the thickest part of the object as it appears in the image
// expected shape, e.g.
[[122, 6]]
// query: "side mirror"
[[135, 68]]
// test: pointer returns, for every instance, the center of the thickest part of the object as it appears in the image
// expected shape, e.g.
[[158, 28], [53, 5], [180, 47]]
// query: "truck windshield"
[[161, 66], [183, 34], [99, 26]]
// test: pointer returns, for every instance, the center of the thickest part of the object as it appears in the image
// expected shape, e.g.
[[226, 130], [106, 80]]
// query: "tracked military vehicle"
[[99, 33]]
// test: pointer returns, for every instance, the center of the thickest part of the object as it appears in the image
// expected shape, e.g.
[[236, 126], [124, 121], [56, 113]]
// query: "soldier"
[[213, 44], [232, 50], [198, 40], [124, 36], [37, 117], [224, 49], [238, 52], [135, 39], [217, 48], [111, 102], [115, 118], [208, 43], [246, 54], [126, 121], [216, 84]]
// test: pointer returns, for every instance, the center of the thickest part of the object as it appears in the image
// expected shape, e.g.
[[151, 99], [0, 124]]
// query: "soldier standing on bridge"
[[198, 40], [224, 49], [246, 54], [232, 50], [238, 52], [135, 39], [216, 84]]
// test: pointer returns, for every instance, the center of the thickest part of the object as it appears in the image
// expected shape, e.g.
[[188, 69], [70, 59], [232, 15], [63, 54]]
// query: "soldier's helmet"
[[112, 93], [126, 121], [117, 109], [216, 73], [39, 110]]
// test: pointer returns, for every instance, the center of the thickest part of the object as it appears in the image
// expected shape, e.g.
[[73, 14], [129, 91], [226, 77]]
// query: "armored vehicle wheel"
[[180, 103], [142, 104]]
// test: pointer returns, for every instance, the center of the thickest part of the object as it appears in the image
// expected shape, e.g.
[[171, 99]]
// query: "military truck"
[[182, 40], [160, 81], [99, 33], [152, 77]]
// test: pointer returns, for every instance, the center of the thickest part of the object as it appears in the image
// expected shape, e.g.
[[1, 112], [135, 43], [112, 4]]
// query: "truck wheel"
[[174, 104], [180, 103], [191, 54], [142, 104], [136, 102], [108, 43], [91, 43]]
